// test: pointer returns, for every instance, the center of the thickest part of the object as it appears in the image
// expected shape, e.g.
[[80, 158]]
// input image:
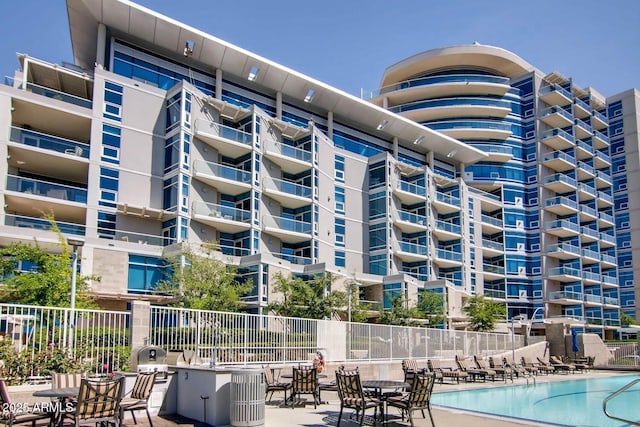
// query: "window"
[[340, 259], [108, 187], [340, 232], [339, 165], [340, 200], [112, 101], [145, 272], [110, 144]]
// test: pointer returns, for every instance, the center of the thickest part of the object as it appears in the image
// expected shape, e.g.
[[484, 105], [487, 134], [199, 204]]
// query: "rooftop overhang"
[[152, 29], [490, 58]]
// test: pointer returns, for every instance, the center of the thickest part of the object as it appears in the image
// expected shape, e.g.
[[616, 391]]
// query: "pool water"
[[564, 403]]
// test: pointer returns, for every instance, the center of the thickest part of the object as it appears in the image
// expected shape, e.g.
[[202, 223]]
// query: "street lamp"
[[74, 268]]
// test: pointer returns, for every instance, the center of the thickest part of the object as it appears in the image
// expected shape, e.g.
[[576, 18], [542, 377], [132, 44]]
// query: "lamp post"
[[519, 318], [533, 316], [74, 268]]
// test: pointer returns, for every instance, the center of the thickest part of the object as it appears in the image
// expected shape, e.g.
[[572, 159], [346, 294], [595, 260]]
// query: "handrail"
[[616, 393]]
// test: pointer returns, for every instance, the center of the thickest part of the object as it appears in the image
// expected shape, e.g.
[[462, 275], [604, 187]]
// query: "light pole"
[[74, 269], [533, 316], [519, 318]]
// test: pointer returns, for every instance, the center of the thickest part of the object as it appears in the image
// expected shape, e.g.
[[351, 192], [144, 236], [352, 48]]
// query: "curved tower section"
[[540, 204]]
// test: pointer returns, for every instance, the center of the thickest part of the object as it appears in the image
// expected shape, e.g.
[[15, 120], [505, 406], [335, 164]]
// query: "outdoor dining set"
[[77, 400]]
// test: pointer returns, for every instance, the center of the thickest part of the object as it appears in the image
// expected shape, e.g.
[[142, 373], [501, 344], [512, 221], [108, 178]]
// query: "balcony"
[[446, 258], [590, 276], [409, 193], [555, 95], [21, 221], [565, 298], [491, 224], [228, 141], [601, 160], [563, 251], [588, 235], [560, 183], [603, 179], [409, 222], [294, 259], [491, 248], [290, 159], [599, 121], [556, 117], [288, 230], [600, 140], [585, 171], [446, 203], [558, 139], [411, 252], [559, 161], [584, 150], [288, 194], [611, 302], [226, 219], [586, 192], [495, 153], [561, 205], [48, 143], [605, 220], [492, 272], [135, 238], [58, 95], [604, 200], [608, 260], [446, 231], [226, 179], [562, 228], [473, 129], [591, 300], [590, 256], [564, 274], [437, 109], [581, 109], [25, 196], [609, 281], [587, 213], [582, 129], [607, 240]]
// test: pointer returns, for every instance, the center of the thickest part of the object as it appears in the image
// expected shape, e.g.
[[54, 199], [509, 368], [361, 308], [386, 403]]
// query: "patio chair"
[[99, 401], [352, 396], [483, 365], [532, 365], [60, 380], [419, 398], [273, 385], [520, 371], [436, 373], [465, 366], [447, 371], [305, 381], [411, 365], [138, 398], [500, 368], [559, 366], [11, 417]]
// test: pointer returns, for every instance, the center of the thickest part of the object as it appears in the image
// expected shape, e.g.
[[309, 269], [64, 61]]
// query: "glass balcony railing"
[[587, 189], [612, 322], [603, 176], [584, 125], [607, 238], [605, 217], [558, 132], [610, 300], [608, 258], [495, 269], [49, 142], [585, 146], [134, 237], [559, 177], [610, 280], [598, 115], [292, 188], [222, 171], [439, 80], [60, 96], [593, 298], [602, 136], [468, 124], [582, 104], [589, 232], [451, 102], [560, 155], [556, 110], [564, 271], [448, 199], [495, 293], [221, 211], [288, 151], [290, 224], [486, 219], [412, 218], [222, 131], [412, 248], [448, 255], [603, 156], [605, 197], [294, 259], [46, 189], [588, 210], [447, 226], [586, 168], [234, 251], [561, 201], [590, 275], [484, 194], [564, 247], [490, 244], [564, 224], [588, 253], [409, 187], [558, 295], [43, 224], [493, 149], [555, 88]]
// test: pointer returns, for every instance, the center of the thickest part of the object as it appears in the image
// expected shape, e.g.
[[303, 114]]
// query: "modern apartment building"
[[468, 172]]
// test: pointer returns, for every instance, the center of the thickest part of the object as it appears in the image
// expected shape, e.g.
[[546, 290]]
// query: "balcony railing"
[[607, 238], [586, 168], [560, 155], [586, 147], [294, 259], [587, 189], [412, 218], [558, 295], [588, 210], [46, 189], [409, 187], [558, 132], [558, 177], [221, 211], [226, 132], [610, 300], [43, 224], [589, 232], [495, 269], [49, 142], [563, 223], [608, 258], [590, 275], [412, 248], [451, 102], [495, 293], [447, 226], [556, 110], [605, 197], [593, 298], [561, 201], [604, 176], [449, 255], [609, 280], [134, 237], [605, 217], [588, 253], [492, 221], [490, 244], [564, 247], [584, 125], [447, 198], [223, 171], [234, 251], [600, 116], [555, 88], [602, 136], [286, 150], [60, 96], [582, 104], [564, 271], [439, 80], [603, 156], [292, 188], [288, 224]]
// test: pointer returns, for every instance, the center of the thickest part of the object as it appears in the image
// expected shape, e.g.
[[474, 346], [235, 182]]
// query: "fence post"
[[139, 323]]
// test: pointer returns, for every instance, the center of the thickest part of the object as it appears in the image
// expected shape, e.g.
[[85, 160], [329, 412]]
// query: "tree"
[[34, 276], [399, 314], [431, 304], [356, 309], [204, 283], [626, 320], [311, 299], [483, 313]]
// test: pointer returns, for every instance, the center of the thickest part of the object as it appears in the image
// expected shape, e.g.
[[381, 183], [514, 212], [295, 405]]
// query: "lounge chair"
[[352, 396], [447, 371], [559, 366], [464, 365], [503, 370], [519, 370], [529, 363], [419, 398]]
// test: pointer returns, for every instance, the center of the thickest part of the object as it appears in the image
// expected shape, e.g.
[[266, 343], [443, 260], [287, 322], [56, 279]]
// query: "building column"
[[279, 105], [218, 94], [139, 323], [330, 124], [101, 45], [395, 147]]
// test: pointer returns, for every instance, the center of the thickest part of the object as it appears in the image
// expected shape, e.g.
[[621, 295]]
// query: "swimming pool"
[[564, 403]]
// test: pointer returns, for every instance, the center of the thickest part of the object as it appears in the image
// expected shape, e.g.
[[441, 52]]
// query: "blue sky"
[[349, 43]]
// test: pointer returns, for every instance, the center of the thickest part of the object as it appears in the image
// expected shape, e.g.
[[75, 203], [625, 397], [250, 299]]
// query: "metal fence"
[[232, 338], [51, 338], [623, 354]]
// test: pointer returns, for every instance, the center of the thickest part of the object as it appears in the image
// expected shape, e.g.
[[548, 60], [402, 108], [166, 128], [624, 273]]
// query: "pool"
[[564, 403]]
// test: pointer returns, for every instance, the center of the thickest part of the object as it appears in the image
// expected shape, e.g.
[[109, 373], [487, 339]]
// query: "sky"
[[349, 43]]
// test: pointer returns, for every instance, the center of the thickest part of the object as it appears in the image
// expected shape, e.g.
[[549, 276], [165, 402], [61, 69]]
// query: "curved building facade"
[[541, 229]]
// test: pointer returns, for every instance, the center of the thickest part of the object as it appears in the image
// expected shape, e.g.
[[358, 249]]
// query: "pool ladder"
[[616, 393]]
